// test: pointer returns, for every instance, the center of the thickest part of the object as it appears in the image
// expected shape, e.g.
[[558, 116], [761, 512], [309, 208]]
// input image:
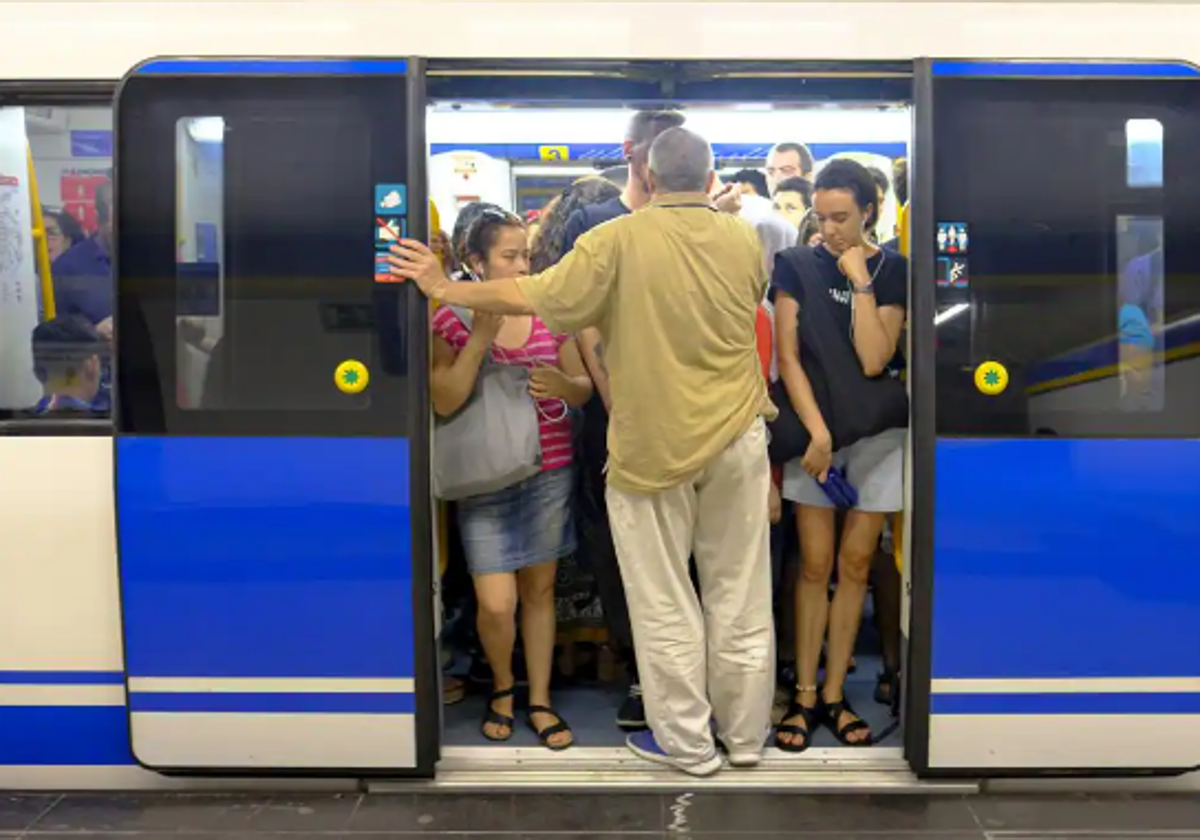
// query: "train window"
[[1069, 279], [56, 290], [248, 259], [1144, 153]]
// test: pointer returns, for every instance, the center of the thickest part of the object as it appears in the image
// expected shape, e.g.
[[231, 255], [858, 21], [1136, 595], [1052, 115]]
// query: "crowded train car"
[[236, 540]]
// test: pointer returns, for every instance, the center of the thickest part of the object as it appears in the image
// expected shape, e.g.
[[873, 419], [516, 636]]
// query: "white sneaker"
[[746, 759]]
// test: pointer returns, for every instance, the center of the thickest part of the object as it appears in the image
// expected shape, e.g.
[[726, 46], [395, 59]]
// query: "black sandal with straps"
[[544, 735], [833, 712], [491, 716], [796, 710]]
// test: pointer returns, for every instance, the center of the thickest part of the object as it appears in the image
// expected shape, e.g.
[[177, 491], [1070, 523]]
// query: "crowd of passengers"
[[666, 364]]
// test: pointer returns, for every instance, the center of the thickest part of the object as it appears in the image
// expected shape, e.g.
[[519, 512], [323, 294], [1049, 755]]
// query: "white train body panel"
[[59, 605]]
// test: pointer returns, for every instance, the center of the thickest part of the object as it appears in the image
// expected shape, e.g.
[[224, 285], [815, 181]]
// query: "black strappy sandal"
[[834, 711], [808, 715], [887, 687], [544, 735], [493, 717]]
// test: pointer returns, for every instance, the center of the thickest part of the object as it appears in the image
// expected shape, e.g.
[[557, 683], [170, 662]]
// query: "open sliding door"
[[1057, 304], [272, 434]]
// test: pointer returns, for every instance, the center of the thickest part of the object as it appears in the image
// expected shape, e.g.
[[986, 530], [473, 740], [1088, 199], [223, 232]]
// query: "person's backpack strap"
[[804, 260]]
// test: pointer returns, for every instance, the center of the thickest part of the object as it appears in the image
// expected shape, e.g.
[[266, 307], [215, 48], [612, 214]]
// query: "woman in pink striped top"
[[514, 538]]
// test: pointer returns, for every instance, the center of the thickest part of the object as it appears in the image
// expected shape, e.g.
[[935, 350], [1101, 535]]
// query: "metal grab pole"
[[41, 246]]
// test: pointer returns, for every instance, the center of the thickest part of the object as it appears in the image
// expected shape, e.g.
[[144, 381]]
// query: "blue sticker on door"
[[391, 199]]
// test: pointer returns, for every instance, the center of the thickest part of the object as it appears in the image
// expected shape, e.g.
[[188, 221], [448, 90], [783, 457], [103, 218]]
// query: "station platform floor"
[[599, 817]]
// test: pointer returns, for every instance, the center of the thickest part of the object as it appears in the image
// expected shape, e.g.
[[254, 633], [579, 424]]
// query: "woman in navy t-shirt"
[[868, 286]]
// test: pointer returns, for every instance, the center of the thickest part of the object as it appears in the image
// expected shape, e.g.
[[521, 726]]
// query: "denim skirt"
[[519, 526]]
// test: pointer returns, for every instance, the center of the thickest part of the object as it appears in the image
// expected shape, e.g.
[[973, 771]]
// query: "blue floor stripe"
[[1066, 704], [276, 703]]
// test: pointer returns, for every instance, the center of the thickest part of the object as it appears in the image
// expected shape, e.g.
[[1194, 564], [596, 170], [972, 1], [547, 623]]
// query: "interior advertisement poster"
[[19, 388]]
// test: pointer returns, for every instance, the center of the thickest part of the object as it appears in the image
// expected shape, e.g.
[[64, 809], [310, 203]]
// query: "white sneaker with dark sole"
[[743, 760], [643, 745]]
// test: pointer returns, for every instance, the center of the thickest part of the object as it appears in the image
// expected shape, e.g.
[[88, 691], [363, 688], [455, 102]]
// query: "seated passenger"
[[513, 538], [83, 282], [866, 298], [66, 360], [63, 232]]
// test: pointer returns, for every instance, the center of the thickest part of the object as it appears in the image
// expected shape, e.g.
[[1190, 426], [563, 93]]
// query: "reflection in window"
[[270, 235], [1140, 312], [199, 238], [1144, 153], [56, 292]]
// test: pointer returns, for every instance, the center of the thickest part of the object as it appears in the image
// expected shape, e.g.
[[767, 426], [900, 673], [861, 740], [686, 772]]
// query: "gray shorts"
[[874, 466]]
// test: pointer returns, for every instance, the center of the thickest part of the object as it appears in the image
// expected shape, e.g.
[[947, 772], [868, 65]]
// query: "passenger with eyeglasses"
[[788, 160]]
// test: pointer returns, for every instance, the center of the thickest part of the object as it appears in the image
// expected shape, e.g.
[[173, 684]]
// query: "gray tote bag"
[[493, 441]]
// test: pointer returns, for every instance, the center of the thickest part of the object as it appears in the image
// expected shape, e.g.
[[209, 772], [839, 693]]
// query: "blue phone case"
[[840, 491]]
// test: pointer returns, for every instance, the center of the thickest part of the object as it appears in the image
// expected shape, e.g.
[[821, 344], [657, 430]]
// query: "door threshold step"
[[835, 770]]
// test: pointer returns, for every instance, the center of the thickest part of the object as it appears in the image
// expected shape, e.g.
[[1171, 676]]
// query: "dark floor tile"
[[603, 813], [767, 813], [305, 813], [187, 835], [1099, 835], [197, 813], [879, 834], [637, 835], [432, 813], [1079, 812], [18, 812]]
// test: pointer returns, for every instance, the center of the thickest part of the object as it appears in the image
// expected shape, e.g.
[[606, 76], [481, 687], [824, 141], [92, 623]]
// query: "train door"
[[271, 448], [1054, 237]]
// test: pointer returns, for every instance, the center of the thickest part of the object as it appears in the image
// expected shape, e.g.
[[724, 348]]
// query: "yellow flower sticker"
[[351, 377], [991, 378]]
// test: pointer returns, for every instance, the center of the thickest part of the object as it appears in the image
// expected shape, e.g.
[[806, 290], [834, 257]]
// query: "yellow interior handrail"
[[41, 246]]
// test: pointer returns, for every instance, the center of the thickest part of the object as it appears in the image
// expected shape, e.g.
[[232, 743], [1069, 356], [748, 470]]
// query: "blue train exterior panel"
[[1066, 604], [267, 601]]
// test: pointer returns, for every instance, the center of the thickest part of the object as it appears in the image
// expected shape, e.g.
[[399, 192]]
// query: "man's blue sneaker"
[[643, 745]]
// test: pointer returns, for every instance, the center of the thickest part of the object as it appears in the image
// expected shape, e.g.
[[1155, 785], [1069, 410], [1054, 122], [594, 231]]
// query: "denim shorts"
[[519, 526], [874, 466]]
